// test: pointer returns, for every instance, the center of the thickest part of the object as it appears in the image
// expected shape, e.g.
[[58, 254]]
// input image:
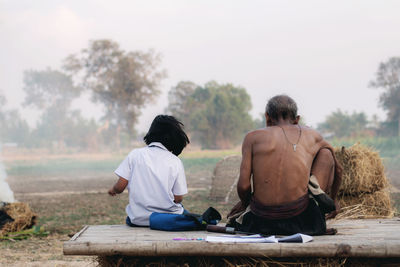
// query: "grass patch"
[[69, 213], [393, 163], [199, 164], [396, 203], [64, 166], [25, 234], [69, 166]]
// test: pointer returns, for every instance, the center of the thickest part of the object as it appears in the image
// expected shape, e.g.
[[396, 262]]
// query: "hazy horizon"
[[321, 53]]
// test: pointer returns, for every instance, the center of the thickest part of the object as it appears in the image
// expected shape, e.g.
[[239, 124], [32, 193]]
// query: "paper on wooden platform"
[[241, 239], [356, 238], [296, 238]]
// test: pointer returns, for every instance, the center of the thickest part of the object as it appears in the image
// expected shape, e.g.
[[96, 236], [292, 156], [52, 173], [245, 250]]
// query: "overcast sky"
[[322, 53]]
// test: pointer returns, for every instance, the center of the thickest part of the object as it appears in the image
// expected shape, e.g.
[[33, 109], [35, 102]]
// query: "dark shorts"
[[310, 222]]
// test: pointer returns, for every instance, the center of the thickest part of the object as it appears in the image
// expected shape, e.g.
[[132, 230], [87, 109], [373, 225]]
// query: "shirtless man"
[[281, 158]]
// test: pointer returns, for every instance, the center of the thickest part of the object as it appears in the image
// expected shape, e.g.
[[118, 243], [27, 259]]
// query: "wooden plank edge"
[[79, 233], [154, 249]]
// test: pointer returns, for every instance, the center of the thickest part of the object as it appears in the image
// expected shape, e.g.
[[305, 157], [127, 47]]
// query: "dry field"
[[69, 191]]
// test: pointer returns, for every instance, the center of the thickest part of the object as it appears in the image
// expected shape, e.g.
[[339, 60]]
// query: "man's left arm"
[[244, 183], [328, 171]]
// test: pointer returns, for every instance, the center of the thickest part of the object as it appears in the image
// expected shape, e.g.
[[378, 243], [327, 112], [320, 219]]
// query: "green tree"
[[260, 122], [74, 129], [179, 101], [49, 88], [342, 124], [388, 79], [218, 113], [13, 128], [52, 92], [124, 82]]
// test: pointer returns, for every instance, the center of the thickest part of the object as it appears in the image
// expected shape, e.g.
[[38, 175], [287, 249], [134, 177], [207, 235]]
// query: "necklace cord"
[[287, 139]]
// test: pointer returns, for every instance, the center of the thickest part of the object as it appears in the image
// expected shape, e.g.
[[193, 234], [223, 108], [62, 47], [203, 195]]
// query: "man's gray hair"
[[281, 106]]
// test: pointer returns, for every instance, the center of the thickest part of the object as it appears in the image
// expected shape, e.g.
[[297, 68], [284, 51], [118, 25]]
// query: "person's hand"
[[112, 192], [335, 212]]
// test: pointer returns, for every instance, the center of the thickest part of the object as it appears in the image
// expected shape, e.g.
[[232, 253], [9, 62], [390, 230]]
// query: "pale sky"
[[322, 53]]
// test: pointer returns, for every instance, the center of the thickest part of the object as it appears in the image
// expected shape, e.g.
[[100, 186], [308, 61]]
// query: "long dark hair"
[[168, 131]]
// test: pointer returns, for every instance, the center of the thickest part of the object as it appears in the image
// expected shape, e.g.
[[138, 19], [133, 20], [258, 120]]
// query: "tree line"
[[124, 82], [343, 124]]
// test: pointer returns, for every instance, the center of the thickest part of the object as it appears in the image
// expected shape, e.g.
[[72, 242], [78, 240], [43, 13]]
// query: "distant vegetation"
[[343, 125], [215, 115], [386, 146]]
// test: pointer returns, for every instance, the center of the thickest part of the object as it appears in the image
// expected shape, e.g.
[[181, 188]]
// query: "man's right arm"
[[244, 183]]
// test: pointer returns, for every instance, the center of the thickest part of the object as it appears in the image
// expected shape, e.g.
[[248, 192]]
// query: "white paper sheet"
[[241, 239], [296, 238]]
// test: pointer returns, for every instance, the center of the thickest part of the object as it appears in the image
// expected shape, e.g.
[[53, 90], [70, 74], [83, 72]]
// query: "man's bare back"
[[279, 157]]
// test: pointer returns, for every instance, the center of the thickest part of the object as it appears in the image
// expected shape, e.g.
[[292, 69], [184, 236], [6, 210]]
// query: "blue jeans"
[[129, 223]]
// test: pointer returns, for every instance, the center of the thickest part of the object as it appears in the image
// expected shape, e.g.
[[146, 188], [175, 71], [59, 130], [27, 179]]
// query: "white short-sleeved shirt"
[[154, 176]]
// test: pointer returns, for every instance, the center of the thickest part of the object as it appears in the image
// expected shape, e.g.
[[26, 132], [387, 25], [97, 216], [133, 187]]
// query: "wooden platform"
[[356, 238]]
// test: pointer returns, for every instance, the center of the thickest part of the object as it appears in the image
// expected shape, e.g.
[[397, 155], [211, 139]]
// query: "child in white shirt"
[[154, 174]]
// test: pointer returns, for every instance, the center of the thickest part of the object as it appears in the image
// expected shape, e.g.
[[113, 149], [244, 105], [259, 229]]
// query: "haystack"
[[363, 170], [22, 216], [370, 205], [224, 180], [364, 192]]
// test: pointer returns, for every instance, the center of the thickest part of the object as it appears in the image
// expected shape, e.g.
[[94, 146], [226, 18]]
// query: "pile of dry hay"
[[364, 192], [21, 215], [224, 180]]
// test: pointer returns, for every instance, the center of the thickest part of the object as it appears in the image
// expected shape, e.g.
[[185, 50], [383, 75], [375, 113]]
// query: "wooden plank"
[[79, 233], [355, 238]]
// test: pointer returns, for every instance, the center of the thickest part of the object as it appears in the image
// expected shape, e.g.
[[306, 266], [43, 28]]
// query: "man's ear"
[[297, 120]]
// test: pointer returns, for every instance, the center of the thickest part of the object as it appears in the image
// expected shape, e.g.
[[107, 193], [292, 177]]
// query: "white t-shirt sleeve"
[[180, 187], [124, 170]]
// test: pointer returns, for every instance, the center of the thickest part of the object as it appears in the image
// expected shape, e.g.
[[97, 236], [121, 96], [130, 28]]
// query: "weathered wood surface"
[[355, 238]]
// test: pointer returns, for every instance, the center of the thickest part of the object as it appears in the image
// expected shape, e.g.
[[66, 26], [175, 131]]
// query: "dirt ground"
[[66, 202], [45, 193]]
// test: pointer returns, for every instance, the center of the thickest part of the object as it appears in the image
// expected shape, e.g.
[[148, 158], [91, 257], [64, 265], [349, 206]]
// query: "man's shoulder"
[[272, 131], [312, 132], [264, 130], [259, 135], [255, 133]]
